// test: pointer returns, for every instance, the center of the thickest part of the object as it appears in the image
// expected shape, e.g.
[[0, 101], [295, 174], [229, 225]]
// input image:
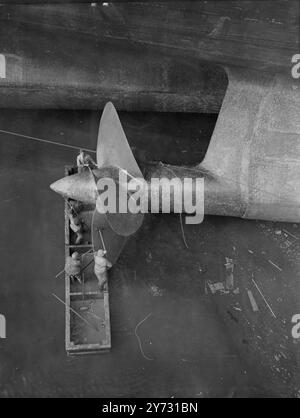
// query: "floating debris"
[[149, 257], [156, 291], [232, 317], [277, 357], [11, 199], [229, 265], [252, 301], [286, 244], [269, 307], [236, 291], [138, 338], [275, 265], [290, 234], [216, 287]]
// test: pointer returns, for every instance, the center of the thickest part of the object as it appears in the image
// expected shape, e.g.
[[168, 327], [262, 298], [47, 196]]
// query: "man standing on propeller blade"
[[84, 161]]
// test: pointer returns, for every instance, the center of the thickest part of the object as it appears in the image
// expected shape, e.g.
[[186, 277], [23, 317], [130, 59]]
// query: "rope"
[[182, 230], [180, 215], [139, 340], [47, 141]]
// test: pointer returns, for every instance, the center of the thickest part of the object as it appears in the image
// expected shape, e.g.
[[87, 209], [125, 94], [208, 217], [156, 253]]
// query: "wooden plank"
[[80, 246], [252, 301], [85, 294]]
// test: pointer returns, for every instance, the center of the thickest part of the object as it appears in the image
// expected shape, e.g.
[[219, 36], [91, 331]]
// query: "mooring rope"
[[47, 141]]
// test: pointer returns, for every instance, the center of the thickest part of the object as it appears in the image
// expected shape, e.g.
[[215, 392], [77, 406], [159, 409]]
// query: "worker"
[[73, 267], [101, 267], [85, 161], [75, 224], [74, 205]]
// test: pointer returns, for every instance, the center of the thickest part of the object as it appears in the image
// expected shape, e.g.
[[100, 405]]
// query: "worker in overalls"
[[84, 161], [101, 267], [73, 266], [75, 224]]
